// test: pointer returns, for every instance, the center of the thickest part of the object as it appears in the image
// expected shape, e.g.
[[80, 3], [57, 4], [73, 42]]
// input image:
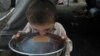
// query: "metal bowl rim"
[[9, 44]]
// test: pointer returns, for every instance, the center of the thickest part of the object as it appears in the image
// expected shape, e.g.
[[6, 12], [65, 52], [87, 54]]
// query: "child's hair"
[[41, 12]]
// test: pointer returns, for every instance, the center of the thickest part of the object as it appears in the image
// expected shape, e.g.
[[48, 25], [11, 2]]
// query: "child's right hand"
[[18, 36]]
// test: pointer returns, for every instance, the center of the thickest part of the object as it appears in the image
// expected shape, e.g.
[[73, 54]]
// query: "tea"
[[41, 39]]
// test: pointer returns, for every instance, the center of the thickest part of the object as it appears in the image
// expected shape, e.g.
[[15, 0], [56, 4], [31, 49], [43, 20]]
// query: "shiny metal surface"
[[35, 46]]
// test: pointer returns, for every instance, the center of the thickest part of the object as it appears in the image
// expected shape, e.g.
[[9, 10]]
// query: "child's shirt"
[[59, 30]]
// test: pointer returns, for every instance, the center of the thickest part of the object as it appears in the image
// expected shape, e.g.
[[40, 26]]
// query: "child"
[[41, 19]]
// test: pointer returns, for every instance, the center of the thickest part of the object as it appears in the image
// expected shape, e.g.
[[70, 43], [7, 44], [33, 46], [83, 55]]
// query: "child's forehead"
[[43, 23], [47, 24], [43, 26]]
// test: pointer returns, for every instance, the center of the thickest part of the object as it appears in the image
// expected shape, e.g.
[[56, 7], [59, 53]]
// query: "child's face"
[[43, 29]]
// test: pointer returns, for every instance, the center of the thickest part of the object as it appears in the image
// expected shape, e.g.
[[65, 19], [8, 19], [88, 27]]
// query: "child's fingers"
[[63, 37], [18, 37], [18, 34]]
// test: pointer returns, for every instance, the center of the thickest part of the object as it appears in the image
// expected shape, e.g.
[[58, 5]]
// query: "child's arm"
[[19, 34], [61, 32], [69, 47]]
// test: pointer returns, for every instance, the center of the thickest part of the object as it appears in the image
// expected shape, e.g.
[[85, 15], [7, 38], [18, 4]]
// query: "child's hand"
[[18, 37]]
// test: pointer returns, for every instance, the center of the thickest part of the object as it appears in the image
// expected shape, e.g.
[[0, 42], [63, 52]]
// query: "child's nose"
[[42, 33]]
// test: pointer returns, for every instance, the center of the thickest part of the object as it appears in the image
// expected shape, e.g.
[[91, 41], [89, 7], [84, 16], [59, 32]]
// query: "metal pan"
[[34, 45]]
